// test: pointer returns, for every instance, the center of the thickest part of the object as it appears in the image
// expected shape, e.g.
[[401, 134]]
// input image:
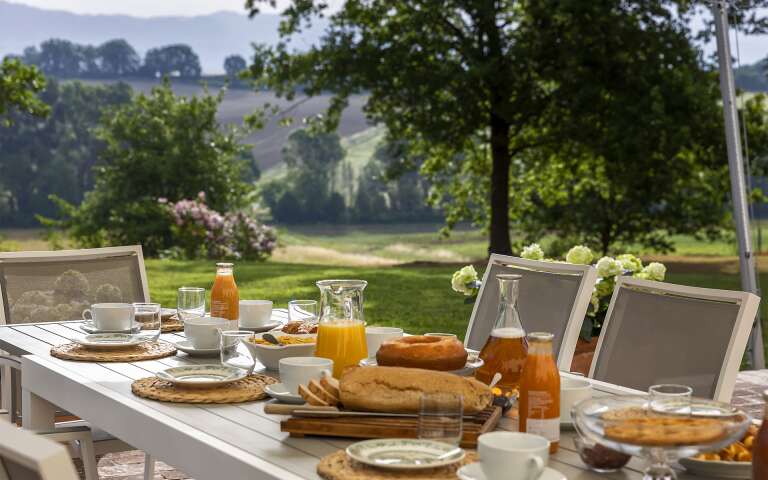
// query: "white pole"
[[736, 168]]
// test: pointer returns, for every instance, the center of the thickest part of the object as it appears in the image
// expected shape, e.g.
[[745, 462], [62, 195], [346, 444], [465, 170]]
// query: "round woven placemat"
[[173, 325], [246, 390], [144, 351], [338, 466]]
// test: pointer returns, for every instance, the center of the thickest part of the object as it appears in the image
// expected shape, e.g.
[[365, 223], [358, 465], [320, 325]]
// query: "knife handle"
[[287, 409]]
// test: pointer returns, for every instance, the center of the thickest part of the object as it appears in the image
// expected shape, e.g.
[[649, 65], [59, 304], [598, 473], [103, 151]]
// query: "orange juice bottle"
[[539, 404], [225, 299]]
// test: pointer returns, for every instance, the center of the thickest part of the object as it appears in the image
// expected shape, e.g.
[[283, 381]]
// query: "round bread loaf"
[[422, 351]]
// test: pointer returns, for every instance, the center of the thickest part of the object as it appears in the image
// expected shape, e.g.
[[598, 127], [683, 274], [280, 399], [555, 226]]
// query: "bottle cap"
[[225, 265]]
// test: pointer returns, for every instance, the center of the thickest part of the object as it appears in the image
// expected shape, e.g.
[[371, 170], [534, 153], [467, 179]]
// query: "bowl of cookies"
[[628, 424], [270, 347]]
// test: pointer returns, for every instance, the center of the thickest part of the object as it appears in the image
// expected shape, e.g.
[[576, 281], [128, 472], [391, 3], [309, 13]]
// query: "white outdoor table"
[[235, 441]]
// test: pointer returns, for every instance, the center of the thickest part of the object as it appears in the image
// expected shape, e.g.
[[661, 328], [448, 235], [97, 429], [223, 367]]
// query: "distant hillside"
[[212, 36], [753, 78], [268, 142]]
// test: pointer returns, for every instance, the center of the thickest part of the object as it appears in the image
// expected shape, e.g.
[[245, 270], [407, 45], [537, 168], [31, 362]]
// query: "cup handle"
[[90, 314], [538, 467]]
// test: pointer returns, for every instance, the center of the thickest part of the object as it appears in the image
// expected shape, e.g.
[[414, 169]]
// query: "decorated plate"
[[201, 376], [404, 453], [717, 468], [89, 327], [473, 363], [110, 341]]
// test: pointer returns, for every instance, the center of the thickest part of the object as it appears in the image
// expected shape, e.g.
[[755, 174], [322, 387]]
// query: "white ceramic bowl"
[[270, 355]]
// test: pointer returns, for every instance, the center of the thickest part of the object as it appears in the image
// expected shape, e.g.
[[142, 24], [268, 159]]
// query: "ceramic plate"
[[404, 453], [89, 327], [186, 347], [474, 471], [281, 394], [717, 469], [110, 341], [201, 376], [263, 328], [473, 363]]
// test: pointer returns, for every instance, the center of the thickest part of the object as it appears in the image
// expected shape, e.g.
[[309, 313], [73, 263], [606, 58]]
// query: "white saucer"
[[281, 394], [201, 376], [473, 471], [186, 347], [473, 363], [110, 341], [405, 453], [89, 327], [263, 328]]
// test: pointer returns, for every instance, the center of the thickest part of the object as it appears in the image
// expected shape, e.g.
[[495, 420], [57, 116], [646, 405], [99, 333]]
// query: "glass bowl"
[[600, 458], [626, 424]]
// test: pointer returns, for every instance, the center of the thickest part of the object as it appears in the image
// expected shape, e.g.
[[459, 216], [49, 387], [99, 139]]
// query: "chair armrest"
[[10, 361]]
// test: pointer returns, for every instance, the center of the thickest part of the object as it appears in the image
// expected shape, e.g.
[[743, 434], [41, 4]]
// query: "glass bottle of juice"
[[505, 349], [341, 327], [225, 299], [539, 401], [760, 449]]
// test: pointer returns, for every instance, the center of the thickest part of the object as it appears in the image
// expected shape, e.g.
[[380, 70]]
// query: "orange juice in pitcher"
[[225, 298], [341, 329]]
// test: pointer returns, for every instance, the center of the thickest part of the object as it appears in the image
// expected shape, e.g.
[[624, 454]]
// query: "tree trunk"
[[499, 241]]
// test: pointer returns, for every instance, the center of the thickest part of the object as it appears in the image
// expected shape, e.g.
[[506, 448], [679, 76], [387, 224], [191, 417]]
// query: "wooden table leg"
[[37, 413]]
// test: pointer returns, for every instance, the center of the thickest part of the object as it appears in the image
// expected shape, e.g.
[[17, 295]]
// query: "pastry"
[[423, 351], [664, 431]]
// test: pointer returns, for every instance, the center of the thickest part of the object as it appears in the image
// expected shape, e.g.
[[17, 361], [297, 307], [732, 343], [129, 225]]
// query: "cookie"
[[664, 431]]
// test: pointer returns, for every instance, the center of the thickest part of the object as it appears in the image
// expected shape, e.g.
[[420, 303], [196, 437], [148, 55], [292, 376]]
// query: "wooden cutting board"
[[386, 427]]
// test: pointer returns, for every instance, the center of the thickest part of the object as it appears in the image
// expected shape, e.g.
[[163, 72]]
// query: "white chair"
[[657, 332], [554, 297], [26, 456], [51, 286]]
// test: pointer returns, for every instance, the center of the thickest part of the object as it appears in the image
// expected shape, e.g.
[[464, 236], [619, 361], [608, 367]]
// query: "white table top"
[[204, 441]]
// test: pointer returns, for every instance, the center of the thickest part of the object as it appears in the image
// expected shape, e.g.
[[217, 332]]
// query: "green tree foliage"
[[118, 58], [234, 65], [158, 147], [19, 84], [56, 155], [175, 60], [484, 89]]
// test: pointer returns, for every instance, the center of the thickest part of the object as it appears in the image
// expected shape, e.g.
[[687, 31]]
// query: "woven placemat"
[[246, 390], [338, 466], [173, 325], [144, 351]]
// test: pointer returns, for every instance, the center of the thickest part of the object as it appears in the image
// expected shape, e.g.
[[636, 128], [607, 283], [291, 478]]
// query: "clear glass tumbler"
[[190, 303], [670, 399], [149, 318], [233, 354], [440, 417], [302, 311]]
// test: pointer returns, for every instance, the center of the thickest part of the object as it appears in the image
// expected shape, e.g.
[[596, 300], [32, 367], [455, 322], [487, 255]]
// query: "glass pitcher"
[[341, 328], [506, 347]]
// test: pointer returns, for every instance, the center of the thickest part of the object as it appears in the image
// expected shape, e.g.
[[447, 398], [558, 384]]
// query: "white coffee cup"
[[110, 316], [375, 336], [512, 455], [295, 371], [572, 391], [255, 313], [203, 332]]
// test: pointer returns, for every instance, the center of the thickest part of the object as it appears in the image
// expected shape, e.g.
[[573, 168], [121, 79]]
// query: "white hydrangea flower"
[[630, 262], [655, 271], [608, 267], [461, 278], [579, 255], [533, 252]]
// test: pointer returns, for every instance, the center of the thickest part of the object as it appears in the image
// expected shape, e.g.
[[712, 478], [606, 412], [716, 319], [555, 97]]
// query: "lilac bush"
[[200, 231]]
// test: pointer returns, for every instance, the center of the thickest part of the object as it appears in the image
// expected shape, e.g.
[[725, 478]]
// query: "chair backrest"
[[26, 456], [658, 333], [59, 285], [553, 297]]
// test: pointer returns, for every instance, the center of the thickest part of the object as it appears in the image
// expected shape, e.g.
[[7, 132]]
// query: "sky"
[[752, 48]]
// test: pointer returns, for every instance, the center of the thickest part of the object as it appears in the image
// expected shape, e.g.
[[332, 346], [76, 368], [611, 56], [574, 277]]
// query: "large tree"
[[479, 86], [176, 59], [19, 85], [118, 58]]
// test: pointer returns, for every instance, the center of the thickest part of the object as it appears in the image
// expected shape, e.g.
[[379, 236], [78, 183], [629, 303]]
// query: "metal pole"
[[736, 167]]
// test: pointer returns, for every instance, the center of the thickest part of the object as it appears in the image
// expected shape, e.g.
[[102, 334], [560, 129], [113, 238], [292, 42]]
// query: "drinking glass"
[[302, 311], [440, 417], [670, 398], [150, 319], [232, 353], [190, 303]]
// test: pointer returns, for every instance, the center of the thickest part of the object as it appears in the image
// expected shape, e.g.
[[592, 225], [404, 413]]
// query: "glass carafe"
[[341, 328], [506, 348]]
